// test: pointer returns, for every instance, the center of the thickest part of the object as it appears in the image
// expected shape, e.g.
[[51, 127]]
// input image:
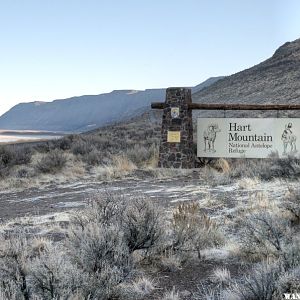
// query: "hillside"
[[206, 83], [84, 113], [79, 113], [276, 80]]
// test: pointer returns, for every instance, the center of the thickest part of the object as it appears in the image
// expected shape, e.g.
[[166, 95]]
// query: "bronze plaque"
[[174, 137]]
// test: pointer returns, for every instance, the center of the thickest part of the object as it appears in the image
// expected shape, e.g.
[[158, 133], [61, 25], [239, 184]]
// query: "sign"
[[248, 138], [174, 112], [173, 137]]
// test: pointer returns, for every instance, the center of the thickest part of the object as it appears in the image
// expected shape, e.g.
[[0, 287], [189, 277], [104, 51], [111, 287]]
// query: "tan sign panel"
[[173, 137], [249, 138]]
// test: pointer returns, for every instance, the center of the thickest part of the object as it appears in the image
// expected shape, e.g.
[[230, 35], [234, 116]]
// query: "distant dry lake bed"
[[16, 136]]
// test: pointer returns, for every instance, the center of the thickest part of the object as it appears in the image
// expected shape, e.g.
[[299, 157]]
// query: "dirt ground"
[[54, 202], [166, 192]]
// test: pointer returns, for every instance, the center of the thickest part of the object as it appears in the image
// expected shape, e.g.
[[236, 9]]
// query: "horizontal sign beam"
[[220, 106], [158, 105]]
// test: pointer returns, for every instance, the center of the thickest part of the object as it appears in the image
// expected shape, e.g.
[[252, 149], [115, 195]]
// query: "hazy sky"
[[52, 49]]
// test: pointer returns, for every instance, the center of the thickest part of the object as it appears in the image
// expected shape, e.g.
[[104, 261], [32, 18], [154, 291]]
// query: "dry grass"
[[215, 177], [209, 201], [247, 183], [171, 295], [137, 289], [120, 167], [222, 165], [161, 173], [221, 276], [73, 170], [258, 202], [123, 164]]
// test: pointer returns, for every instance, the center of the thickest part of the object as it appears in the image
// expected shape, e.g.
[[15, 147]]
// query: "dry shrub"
[[137, 218], [14, 261], [52, 162], [291, 253], [88, 151], [100, 252], [193, 230], [105, 235], [81, 147], [259, 284], [16, 255], [264, 281], [142, 225], [288, 282], [52, 275], [141, 155], [8, 291], [96, 260], [65, 143], [4, 171], [94, 157], [266, 169], [15, 155], [11, 156], [264, 236], [22, 155], [25, 172], [292, 204], [104, 208]]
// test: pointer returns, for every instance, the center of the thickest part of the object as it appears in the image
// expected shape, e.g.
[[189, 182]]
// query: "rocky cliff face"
[[276, 80]]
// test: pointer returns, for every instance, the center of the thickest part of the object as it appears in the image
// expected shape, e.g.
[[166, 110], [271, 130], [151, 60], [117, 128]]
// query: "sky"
[[54, 49]]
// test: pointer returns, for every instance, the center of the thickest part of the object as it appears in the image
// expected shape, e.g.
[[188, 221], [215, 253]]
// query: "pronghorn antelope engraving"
[[288, 139]]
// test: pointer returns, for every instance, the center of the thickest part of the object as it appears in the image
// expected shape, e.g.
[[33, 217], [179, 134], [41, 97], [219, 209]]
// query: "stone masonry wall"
[[177, 154]]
